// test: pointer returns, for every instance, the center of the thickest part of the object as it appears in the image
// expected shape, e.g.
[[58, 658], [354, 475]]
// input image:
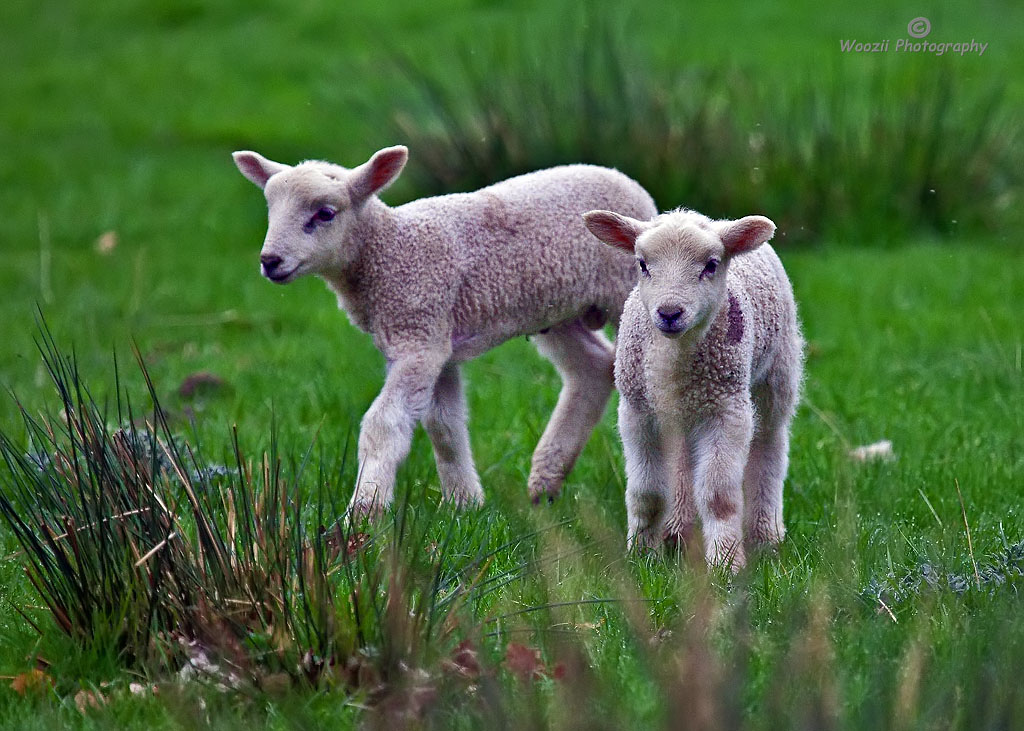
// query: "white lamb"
[[709, 367], [441, 280]]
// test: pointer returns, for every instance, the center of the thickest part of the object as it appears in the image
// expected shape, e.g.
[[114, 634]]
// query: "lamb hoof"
[[467, 499], [642, 542], [765, 534], [547, 475], [474, 502], [539, 489], [757, 549], [732, 559], [370, 510]]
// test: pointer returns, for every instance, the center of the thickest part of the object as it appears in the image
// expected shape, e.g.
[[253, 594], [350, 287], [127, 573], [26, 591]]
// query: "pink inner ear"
[[612, 230], [253, 169], [384, 169], [746, 234]]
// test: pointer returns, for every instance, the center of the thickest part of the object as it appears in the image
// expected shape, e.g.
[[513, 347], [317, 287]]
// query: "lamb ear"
[[255, 167], [379, 172], [745, 234], [613, 229]]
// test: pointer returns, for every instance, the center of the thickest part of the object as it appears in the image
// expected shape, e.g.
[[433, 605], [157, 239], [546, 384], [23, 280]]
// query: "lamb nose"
[[669, 314], [270, 262]]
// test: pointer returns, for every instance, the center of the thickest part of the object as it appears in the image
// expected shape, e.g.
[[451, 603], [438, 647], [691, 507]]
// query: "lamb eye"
[[709, 269], [323, 215], [643, 267]]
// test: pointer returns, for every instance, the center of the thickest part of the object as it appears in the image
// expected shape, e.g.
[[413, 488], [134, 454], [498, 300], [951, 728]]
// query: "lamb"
[[708, 366], [441, 280]]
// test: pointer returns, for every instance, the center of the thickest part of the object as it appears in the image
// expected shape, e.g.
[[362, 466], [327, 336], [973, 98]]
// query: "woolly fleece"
[[441, 280], [705, 410]]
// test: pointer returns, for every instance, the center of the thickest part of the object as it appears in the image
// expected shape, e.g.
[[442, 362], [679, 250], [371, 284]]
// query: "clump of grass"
[[870, 157], [248, 574], [1002, 570]]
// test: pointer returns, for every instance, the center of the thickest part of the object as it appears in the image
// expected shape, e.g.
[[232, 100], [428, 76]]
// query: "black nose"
[[270, 262], [669, 314]]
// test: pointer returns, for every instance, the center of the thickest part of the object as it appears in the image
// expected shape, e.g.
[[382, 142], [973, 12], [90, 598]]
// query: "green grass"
[[916, 344], [121, 117]]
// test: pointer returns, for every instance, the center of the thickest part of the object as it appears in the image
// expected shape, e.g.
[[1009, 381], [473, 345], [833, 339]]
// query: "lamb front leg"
[[647, 483], [386, 431], [719, 454]]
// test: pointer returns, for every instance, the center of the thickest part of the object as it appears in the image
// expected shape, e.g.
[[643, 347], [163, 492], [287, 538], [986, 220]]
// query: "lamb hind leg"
[[765, 473], [445, 423], [584, 359], [762, 487], [678, 531]]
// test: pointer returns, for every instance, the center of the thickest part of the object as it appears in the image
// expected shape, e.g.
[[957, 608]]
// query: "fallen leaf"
[[140, 689], [524, 662], [354, 543], [200, 382], [464, 661], [33, 681], [199, 667], [86, 699]]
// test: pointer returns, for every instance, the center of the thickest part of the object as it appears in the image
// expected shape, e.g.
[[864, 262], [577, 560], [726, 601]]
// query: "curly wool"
[[481, 268], [751, 330]]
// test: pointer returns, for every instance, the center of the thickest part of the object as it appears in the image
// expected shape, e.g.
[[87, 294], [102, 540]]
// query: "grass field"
[[891, 604]]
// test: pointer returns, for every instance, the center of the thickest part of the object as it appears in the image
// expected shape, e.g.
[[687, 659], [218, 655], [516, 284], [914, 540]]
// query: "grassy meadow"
[[894, 602]]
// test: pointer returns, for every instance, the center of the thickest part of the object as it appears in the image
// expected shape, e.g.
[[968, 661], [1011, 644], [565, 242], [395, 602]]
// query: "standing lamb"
[[441, 280], [709, 366]]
